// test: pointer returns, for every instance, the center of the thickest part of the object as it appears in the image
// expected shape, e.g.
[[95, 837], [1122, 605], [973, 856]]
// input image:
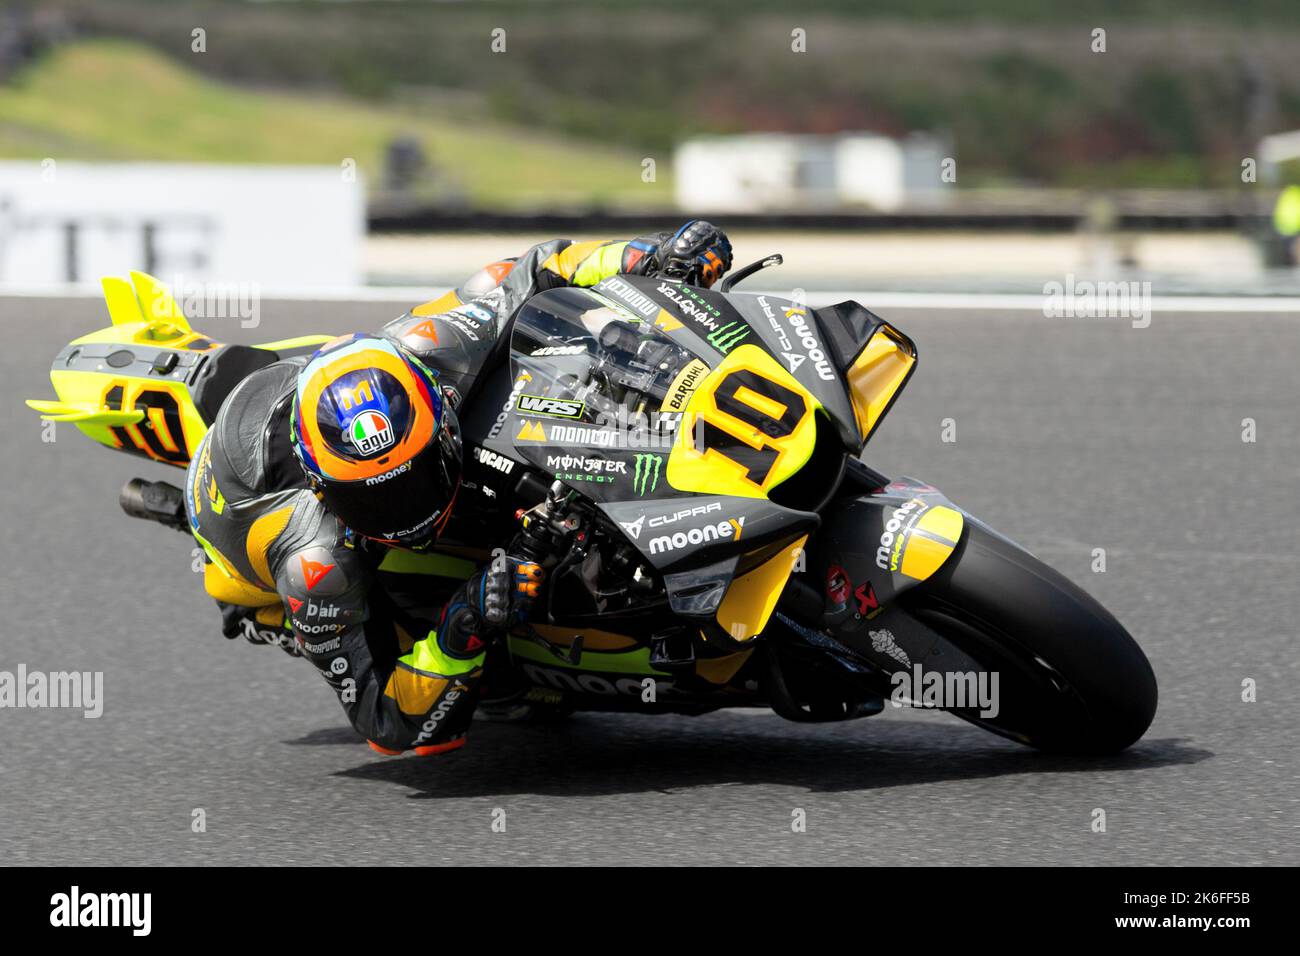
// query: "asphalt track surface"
[[1071, 434]]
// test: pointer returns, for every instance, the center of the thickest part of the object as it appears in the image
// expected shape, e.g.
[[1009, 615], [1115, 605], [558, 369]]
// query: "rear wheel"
[[1071, 679]]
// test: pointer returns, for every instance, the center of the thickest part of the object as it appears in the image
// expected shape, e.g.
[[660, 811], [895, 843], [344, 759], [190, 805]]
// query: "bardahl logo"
[[679, 392]]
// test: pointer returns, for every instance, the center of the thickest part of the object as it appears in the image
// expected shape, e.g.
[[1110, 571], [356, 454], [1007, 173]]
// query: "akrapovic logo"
[[731, 528], [553, 407]]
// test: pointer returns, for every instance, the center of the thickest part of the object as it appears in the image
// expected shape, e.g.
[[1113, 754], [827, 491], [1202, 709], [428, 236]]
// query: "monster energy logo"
[[728, 336], [646, 477]]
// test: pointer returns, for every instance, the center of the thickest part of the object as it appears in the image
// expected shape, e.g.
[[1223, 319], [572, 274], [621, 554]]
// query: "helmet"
[[376, 439]]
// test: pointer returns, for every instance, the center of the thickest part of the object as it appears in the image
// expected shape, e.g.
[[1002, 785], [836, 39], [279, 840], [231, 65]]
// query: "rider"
[[316, 468]]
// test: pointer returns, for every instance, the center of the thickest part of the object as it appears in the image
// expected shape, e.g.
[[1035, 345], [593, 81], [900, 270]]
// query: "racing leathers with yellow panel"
[[406, 672]]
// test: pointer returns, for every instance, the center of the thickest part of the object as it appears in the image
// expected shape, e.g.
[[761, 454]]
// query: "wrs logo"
[[371, 432], [553, 407], [646, 477]]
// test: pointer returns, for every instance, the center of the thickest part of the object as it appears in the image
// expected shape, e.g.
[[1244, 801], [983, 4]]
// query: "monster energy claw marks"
[[725, 338], [646, 477]]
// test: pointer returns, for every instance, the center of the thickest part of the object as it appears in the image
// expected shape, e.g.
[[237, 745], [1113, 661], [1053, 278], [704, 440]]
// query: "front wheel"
[[1071, 678]]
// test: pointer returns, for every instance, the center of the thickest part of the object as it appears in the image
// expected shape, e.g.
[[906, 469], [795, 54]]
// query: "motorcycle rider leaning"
[[316, 469]]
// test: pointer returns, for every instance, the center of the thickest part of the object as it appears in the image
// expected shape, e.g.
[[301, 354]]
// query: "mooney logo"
[[730, 528], [798, 319], [554, 407], [500, 423], [896, 532], [646, 477], [391, 473], [430, 726]]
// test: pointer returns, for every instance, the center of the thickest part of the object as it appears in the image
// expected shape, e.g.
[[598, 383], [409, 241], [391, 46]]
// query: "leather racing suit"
[[284, 570]]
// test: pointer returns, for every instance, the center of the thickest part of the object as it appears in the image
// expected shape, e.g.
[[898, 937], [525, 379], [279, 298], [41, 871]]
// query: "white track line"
[[961, 301]]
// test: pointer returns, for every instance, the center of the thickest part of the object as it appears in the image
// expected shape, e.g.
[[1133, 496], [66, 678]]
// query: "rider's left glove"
[[699, 253]]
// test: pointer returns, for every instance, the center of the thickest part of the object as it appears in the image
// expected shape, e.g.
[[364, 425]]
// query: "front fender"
[[873, 547]]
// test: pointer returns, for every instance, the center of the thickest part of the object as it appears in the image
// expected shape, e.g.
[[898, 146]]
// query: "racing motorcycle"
[[688, 462]]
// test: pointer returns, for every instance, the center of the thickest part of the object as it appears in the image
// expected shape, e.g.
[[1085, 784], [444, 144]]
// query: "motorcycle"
[[688, 461]]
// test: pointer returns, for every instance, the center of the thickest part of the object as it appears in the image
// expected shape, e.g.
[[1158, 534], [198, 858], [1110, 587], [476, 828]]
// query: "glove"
[[494, 600], [258, 625], [698, 253], [510, 587]]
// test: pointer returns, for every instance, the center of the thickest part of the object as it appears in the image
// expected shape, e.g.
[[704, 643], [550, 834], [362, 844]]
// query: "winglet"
[[123, 306], [157, 303], [84, 414]]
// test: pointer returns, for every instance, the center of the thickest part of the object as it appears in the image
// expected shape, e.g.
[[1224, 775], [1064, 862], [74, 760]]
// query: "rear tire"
[[1071, 679]]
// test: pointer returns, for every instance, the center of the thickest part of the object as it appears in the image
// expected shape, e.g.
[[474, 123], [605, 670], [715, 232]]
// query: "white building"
[[288, 226], [756, 172]]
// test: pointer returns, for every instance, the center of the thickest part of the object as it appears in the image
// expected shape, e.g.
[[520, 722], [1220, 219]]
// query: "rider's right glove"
[[491, 602]]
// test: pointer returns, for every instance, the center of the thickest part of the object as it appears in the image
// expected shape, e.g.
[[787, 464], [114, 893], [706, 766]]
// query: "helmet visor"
[[406, 506]]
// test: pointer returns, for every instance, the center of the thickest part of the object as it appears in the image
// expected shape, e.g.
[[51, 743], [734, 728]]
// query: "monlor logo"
[[710, 532]]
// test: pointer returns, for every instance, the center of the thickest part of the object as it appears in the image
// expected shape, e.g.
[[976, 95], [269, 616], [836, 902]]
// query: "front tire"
[[1072, 680]]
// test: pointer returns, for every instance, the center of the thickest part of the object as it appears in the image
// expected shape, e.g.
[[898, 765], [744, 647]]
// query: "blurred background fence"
[[906, 141]]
